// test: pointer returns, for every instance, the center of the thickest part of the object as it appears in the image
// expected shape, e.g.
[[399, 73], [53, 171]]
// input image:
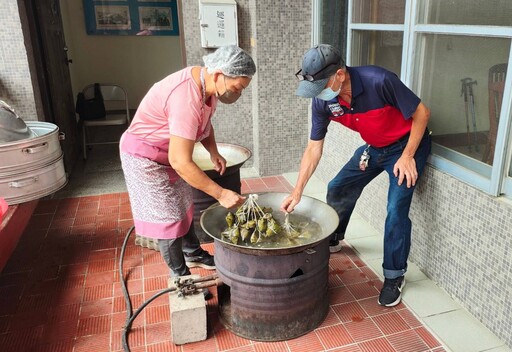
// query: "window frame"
[[492, 179]]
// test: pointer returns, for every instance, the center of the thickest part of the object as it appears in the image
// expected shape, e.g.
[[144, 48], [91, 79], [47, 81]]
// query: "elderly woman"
[[156, 153]]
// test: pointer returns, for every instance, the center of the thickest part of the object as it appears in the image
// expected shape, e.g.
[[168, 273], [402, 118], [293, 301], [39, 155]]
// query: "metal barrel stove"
[[273, 294]]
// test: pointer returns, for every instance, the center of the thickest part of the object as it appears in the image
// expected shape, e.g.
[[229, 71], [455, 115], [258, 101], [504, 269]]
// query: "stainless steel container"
[[33, 183], [29, 153], [32, 167]]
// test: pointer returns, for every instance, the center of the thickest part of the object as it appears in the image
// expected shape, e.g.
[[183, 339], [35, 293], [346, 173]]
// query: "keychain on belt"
[[363, 160]]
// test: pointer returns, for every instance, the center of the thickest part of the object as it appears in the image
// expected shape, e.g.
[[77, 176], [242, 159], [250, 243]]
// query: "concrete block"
[[188, 316]]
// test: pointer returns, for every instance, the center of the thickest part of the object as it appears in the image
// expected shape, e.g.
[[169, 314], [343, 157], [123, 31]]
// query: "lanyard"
[[203, 88]]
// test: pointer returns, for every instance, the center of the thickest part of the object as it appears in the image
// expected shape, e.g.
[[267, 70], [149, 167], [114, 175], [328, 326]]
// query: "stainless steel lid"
[[12, 127]]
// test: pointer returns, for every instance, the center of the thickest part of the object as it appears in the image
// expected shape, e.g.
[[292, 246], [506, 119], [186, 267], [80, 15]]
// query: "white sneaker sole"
[[335, 249], [200, 265], [392, 304]]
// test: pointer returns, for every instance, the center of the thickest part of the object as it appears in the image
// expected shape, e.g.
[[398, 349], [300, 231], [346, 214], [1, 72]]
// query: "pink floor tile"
[[330, 319], [228, 341], [155, 314], [271, 347], [334, 336], [427, 337], [60, 291], [363, 330], [348, 312], [158, 332], [377, 345], [391, 323], [307, 343], [407, 341], [166, 346]]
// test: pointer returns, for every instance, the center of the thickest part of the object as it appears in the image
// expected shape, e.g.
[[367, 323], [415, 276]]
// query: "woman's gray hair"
[[231, 61]]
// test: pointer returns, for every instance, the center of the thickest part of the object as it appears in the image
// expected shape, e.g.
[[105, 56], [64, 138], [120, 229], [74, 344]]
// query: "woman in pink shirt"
[[156, 153]]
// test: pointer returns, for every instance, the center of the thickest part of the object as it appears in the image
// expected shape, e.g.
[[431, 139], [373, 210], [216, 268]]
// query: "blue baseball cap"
[[318, 65]]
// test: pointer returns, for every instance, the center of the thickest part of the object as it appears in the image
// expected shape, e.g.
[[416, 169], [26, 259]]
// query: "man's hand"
[[289, 203], [405, 167]]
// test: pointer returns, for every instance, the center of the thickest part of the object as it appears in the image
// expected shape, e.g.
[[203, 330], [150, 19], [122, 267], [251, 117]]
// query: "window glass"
[[488, 12], [461, 81], [458, 73], [507, 182], [381, 48], [379, 11], [510, 169], [333, 24]]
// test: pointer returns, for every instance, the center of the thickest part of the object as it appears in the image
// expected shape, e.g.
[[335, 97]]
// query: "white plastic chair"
[[116, 106]]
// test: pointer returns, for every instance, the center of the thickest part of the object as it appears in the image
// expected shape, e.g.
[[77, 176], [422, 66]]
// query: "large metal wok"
[[213, 222], [235, 156]]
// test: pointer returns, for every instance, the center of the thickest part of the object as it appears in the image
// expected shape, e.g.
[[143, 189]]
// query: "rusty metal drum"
[[273, 294], [273, 298]]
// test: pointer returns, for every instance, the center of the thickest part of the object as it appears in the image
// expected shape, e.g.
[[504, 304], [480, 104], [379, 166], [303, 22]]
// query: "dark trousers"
[[346, 187], [172, 250]]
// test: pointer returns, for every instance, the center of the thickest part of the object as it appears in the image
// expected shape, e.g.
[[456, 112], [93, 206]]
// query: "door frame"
[[45, 63]]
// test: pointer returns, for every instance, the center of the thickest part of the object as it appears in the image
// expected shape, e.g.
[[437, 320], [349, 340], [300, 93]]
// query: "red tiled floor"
[[60, 291]]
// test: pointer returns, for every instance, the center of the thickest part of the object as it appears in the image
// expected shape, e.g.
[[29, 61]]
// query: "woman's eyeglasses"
[[313, 77]]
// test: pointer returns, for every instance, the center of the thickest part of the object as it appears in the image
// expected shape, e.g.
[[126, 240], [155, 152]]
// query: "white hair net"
[[231, 61]]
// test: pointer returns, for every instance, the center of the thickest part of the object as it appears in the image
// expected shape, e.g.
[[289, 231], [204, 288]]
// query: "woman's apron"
[[161, 201]]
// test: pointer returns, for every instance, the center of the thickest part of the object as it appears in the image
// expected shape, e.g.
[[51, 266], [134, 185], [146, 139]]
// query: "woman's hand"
[[219, 163], [230, 199]]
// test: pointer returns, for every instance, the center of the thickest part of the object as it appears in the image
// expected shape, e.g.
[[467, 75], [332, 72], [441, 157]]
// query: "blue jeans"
[[345, 188]]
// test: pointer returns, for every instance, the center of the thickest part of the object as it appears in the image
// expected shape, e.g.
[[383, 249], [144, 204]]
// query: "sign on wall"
[[131, 17], [219, 24]]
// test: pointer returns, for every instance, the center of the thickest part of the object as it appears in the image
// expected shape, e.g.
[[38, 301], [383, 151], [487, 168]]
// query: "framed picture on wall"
[[112, 17], [131, 17], [155, 18]]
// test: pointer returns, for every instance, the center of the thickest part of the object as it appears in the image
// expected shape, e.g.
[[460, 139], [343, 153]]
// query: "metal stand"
[[469, 104]]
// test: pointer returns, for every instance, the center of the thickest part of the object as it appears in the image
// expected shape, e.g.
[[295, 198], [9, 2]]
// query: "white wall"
[[134, 62]]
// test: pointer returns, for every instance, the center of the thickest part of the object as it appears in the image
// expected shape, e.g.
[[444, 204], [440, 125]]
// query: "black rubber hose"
[[123, 282], [130, 316], [127, 299], [129, 322]]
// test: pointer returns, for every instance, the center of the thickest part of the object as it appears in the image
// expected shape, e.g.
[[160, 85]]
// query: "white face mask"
[[328, 94]]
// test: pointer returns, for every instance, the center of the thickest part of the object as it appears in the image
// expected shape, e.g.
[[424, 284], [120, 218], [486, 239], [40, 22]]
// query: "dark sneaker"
[[207, 294], [391, 293], [335, 246], [205, 261]]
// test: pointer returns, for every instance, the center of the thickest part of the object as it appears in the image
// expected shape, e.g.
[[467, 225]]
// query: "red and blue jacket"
[[380, 110]]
